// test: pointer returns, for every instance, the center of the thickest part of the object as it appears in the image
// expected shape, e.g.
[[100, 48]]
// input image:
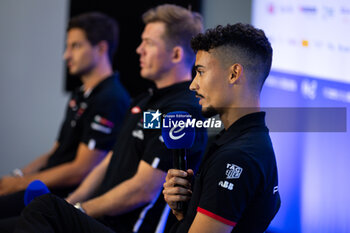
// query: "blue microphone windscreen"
[[35, 188], [178, 130]]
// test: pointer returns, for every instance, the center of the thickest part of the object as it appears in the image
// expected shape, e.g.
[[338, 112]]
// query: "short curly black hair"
[[98, 27], [239, 43]]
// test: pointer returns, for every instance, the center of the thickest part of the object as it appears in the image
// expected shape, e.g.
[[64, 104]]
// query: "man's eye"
[[76, 46], [200, 72]]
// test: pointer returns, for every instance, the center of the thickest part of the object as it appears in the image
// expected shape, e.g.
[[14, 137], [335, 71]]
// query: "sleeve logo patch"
[[233, 171], [101, 128], [138, 134], [103, 121]]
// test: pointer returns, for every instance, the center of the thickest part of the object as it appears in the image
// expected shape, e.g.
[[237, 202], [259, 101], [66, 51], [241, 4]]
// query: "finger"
[[178, 190], [175, 181], [172, 204], [190, 172], [172, 199], [177, 172], [178, 181], [168, 177]]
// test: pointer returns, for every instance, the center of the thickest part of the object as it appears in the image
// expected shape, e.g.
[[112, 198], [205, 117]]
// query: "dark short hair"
[[181, 25], [243, 44], [97, 27]]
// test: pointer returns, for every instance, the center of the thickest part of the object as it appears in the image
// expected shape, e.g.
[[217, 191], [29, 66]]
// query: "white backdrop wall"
[[226, 12], [32, 100]]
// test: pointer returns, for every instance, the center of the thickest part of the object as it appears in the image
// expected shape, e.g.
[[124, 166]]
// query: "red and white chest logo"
[[73, 104], [136, 110]]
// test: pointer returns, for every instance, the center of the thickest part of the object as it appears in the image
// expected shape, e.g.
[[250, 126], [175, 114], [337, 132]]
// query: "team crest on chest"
[[233, 171]]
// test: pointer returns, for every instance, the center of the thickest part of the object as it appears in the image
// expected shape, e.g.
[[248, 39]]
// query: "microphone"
[[35, 188], [178, 134]]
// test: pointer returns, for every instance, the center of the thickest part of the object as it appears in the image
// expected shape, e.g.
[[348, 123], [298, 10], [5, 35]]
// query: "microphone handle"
[[179, 159], [179, 162]]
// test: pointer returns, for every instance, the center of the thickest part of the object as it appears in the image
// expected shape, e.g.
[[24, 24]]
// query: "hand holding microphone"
[[178, 135], [177, 189]]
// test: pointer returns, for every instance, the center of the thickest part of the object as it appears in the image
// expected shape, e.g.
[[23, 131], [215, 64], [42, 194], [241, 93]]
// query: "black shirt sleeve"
[[229, 183], [156, 153]]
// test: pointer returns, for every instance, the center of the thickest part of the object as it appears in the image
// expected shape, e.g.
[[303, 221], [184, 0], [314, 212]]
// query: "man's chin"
[[208, 112], [81, 71], [73, 72], [143, 75], [147, 76]]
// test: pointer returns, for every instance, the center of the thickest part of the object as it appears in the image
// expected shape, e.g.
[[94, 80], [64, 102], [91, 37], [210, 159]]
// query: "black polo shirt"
[[92, 117], [237, 181], [136, 143]]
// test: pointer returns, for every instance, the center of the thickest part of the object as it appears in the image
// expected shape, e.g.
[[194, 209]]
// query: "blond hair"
[[181, 25]]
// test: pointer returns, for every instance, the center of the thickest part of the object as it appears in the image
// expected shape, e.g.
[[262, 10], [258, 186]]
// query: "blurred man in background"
[[93, 117]]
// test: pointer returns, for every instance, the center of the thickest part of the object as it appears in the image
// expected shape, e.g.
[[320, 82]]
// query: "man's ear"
[[236, 71], [102, 47], [178, 54]]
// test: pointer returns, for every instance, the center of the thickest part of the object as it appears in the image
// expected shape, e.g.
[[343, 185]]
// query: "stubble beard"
[[209, 112]]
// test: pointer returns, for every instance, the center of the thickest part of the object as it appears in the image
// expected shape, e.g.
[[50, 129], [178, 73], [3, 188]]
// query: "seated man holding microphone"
[[236, 187]]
